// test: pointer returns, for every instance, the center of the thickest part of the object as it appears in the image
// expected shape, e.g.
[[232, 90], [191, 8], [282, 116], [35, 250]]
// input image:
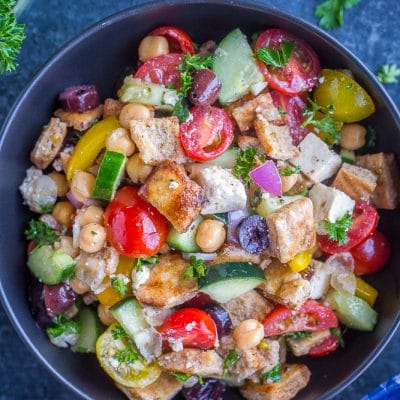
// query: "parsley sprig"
[[196, 268], [181, 376], [232, 357], [276, 57], [389, 73], [127, 356], [11, 36], [41, 233], [63, 324], [118, 284], [274, 374], [338, 230], [288, 170], [245, 162], [339, 333], [143, 261], [118, 332], [330, 12], [297, 335]]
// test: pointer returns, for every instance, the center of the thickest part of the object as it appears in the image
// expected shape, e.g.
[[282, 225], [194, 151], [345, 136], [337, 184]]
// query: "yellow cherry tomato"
[[301, 261], [350, 101], [122, 361], [366, 292], [90, 145], [109, 296]]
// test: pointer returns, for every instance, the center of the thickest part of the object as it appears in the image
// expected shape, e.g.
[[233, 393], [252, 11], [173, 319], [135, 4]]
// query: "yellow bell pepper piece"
[[366, 292], [110, 296], [90, 145], [301, 261]]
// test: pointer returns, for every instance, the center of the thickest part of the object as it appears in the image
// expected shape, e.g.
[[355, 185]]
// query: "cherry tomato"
[[293, 107], [207, 134], [371, 254], [134, 227], [300, 74], [162, 70], [194, 327], [312, 316], [179, 41], [31, 246], [329, 345], [365, 219]]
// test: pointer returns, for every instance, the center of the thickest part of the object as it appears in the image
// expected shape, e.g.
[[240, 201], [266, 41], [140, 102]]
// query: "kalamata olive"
[[58, 298], [79, 99], [36, 300], [200, 300], [205, 88], [221, 319], [211, 389], [253, 234]]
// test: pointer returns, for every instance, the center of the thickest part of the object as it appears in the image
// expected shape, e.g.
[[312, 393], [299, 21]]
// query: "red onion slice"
[[79, 99], [267, 177], [72, 199], [234, 220]]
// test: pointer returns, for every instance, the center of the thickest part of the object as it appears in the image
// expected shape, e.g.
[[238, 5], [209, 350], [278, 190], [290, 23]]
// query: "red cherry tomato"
[[134, 227], [162, 70], [207, 134], [194, 327], [371, 254], [293, 106], [329, 345], [31, 246], [178, 40], [365, 219], [300, 74], [312, 316]]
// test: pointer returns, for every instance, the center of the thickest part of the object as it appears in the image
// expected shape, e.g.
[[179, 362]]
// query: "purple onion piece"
[[72, 199], [58, 298], [221, 318], [267, 177], [36, 300], [234, 219], [211, 389], [200, 300], [253, 234], [200, 256], [79, 99]]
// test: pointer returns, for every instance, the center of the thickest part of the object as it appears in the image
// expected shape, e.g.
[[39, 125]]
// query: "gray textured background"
[[371, 31]]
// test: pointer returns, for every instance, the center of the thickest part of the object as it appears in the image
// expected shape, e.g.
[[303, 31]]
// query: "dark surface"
[[371, 32]]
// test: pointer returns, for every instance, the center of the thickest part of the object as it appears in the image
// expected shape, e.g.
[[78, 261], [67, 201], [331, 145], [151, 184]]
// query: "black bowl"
[[98, 56]]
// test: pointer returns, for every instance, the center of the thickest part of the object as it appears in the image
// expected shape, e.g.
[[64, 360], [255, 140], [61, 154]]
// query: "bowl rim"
[[256, 5]]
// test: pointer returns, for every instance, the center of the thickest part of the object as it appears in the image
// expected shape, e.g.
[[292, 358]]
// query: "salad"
[[219, 212]]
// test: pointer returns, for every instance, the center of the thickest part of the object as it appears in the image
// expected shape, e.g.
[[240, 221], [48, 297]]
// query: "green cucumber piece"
[[129, 314], [186, 241], [108, 178], [225, 281], [235, 67], [352, 311], [50, 266], [269, 205], [135, 90], [348, 156], [91, 329], [226, 160]]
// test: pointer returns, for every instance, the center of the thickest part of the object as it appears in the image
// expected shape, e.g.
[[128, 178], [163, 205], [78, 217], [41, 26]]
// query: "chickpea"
[[63, 212], [137, 170], [65, 243], [119, 140], [152, 46], [210, 235], [353, 136], [91, 214], [61, 182], [79, 286], [104, 314], [82, 186], [134, 111], [288, 182], [92, 238], [248, 334]]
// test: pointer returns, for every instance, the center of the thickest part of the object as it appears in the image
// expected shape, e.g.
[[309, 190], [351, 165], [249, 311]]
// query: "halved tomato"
[[207, 134], [300, 74], [328, 346], [178, 40], [365, 219]]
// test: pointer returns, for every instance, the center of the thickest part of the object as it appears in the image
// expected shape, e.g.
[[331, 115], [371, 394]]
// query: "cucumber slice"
[[50, 266], [226, 160], [129, 313], [235, 67], [348, 156], [225, 281], [352, 311], [269, 205], [151, 94], [185, 241], [91, 329], [109, 176]]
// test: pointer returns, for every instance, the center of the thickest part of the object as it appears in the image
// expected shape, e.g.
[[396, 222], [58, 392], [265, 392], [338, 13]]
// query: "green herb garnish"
[[127, 356], [330, 12], [41, 233], [181, 376], [274, 374], [196, 268], [231, 359], [119, 332], [245, 161], [48, 208], [63, 324], [278, 57], [297, 335], [288, 170], [339, 333], [338, 230], [118, 283], [389, 73], [143, 261]]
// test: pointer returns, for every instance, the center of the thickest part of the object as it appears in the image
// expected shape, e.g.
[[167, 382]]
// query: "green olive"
[[350, 101]]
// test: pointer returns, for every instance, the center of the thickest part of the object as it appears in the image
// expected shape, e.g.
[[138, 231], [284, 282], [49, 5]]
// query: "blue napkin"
[[390, 390]]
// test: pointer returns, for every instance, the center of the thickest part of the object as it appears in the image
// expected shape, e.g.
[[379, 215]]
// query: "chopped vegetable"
[[339, 333], [278, 57], [289, 170], [301, 261], [118, 283], [91, 329], [145, 260], [330, 12], [196, 268], [338, 230], [245, 162], [181, 376], [268, 178], [231, 359], [274, 374], [63, 324], [118, 332], [41, 233], [389, 73], [185, 241], [366, 292], [127, 355], [297, 335]]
